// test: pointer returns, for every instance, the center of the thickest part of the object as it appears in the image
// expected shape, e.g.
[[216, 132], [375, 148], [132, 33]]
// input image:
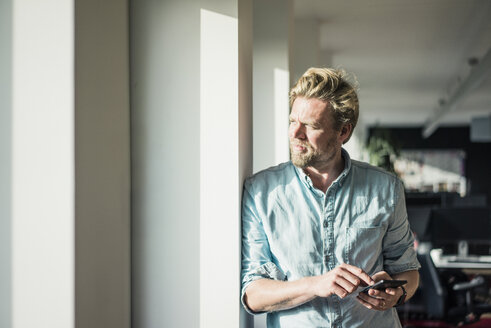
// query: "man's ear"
[[345, 132]]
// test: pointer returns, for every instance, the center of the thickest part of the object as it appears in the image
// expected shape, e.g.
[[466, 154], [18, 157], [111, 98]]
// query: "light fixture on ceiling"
[[481, 129]]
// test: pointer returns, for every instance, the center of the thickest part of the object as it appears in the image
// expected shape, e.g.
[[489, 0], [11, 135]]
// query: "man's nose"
[[297, 131]]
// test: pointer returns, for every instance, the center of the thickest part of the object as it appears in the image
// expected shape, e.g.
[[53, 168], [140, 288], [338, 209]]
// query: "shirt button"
[[325, 223]]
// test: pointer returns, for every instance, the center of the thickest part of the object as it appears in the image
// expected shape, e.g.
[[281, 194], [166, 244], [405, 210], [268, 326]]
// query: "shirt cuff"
[[268, 270]]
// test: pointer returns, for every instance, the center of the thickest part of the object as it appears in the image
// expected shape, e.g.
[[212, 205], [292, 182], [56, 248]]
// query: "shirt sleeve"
[[257, 261], [398, 245]]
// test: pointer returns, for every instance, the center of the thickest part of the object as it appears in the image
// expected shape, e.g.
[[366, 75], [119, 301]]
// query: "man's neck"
[[323, 176]]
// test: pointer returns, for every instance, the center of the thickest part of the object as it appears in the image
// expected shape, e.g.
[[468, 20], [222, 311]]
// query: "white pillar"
[[245, 114], [191, 111], [5, 163], [42, 159], [272, 29], [65, 148], [102, 168]]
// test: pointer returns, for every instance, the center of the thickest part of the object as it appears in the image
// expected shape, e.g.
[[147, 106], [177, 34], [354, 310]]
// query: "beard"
[[313, 157], [303, 159]]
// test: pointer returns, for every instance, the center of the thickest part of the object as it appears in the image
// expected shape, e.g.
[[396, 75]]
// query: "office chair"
[[450, 300]]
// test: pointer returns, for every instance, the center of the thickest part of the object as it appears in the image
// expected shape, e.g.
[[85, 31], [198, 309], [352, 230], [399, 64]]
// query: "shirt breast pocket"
[[364, 248]]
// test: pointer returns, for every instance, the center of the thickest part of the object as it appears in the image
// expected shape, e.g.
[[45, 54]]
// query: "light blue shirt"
[[292, 230]]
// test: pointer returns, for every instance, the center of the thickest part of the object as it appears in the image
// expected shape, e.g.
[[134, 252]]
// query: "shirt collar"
[[347, 166]]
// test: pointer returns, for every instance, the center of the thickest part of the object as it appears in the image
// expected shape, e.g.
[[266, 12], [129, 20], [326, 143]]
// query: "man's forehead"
[[313, 108]]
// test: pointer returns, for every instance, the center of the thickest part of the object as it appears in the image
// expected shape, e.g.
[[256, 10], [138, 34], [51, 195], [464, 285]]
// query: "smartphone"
[[383, 284]]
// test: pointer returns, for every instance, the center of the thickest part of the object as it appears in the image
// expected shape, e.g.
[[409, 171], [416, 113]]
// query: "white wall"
[[356, 145], [306, 51], [5, 161], [169, 161]]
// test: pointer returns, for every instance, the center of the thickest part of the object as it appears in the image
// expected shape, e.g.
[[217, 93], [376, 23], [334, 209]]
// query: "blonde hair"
[[332, 86]]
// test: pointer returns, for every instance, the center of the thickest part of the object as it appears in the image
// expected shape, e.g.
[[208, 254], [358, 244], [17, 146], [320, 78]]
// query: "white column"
[[42, 192], [65, 152], [102, 168], [272, 25], [5, 163], [218, 172], [245, 114], [190, 150]]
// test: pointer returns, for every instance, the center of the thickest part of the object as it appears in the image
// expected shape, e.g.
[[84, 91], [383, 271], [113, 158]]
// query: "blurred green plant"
[[383, 149]]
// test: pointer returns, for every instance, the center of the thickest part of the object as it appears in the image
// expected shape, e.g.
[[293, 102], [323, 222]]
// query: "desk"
[[453, 262]]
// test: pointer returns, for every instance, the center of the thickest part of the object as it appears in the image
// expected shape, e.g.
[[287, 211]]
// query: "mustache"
[[302, 144]]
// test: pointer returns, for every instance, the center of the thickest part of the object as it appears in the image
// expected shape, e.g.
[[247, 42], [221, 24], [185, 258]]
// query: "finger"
[[380, 293], [364, 297], [347, 285], [339, 290], [372, 303], [359, 273], [374, 300], [364, 303], [391, 299], [391, 291], [378, 303], [375, 293], [349, 277]]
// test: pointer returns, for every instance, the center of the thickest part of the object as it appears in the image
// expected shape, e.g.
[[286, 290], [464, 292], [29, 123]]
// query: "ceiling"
[[409, 56]]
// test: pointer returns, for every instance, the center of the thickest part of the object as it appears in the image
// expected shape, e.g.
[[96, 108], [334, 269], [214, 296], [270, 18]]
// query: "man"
[[317, 228]]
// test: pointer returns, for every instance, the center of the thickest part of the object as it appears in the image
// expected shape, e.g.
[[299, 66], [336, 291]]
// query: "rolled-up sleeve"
[[398, 245], [256, 255]]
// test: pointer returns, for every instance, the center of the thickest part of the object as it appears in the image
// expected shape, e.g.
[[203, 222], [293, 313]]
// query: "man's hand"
[[273, 295], [341, 281], [380, 300]]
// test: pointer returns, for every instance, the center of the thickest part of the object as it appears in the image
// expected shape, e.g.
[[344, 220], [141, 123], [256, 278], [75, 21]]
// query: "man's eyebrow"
[[311, 123]]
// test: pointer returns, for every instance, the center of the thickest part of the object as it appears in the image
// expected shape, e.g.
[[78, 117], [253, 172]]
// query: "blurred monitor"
[[478, 200], [423, 199], [448, 226], [419, 219]]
